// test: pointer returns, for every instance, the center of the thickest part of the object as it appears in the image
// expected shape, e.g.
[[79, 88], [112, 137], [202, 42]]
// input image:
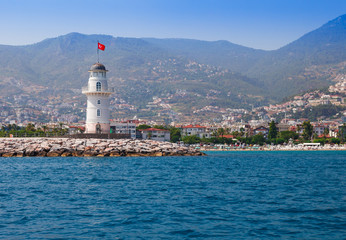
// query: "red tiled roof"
[[227, 136], [80, 127], [194, 126], [322, 135]]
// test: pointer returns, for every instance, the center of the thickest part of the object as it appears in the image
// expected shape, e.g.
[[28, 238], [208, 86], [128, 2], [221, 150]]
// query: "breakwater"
[[66, 147]]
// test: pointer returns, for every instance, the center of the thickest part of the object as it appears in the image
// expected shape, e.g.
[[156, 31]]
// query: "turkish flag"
[[101, 46]]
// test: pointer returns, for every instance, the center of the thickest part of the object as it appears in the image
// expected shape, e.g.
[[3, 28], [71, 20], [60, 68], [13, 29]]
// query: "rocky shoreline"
[[68, 147]]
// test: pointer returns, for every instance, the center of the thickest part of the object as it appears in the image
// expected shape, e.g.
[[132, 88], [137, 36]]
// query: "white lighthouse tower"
[[97, 92]]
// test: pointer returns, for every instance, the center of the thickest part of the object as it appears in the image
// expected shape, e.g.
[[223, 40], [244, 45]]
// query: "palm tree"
[[220, 132], [242, 130], [308, 130], [30, 127], [236, 134], [325, 132]]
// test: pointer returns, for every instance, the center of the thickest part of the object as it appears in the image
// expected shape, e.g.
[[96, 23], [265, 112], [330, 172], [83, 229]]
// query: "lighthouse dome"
[[97, 67]]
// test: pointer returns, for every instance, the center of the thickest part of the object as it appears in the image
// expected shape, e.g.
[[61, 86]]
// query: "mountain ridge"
[[141, 68]]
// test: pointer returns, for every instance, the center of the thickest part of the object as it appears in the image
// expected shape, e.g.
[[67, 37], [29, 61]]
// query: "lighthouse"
[[97, 92]]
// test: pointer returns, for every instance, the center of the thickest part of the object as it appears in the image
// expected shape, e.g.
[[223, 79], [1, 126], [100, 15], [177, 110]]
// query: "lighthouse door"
[[98, 128]]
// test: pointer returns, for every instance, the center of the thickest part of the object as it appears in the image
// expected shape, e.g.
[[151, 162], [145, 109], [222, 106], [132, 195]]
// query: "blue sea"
[[225, 195]]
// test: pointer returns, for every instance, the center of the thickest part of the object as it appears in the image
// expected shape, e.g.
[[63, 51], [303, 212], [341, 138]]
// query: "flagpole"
[[98, 55]]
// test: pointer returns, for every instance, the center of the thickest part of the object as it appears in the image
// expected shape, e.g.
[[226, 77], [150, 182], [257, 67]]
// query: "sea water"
[[225, 195]]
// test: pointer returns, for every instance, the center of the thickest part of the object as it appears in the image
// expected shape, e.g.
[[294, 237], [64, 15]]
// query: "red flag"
[[101, 46]]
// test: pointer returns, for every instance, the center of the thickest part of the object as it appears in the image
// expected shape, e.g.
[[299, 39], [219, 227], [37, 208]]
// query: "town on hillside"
[[316, 116]]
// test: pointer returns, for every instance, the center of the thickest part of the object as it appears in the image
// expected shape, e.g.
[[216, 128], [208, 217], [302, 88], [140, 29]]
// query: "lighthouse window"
[[98, 86], [99, 101], [98, 112]]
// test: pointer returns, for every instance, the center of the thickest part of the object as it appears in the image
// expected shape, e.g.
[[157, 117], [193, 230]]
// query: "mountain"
[[216, 73], [284, 69], [279, 70], [219, 53], [138, 68]]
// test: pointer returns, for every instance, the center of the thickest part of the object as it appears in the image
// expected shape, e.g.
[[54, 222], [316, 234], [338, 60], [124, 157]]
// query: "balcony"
[[87, 90]]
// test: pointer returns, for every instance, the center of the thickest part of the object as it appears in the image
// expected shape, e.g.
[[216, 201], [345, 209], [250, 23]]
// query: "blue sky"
[[262, 24]]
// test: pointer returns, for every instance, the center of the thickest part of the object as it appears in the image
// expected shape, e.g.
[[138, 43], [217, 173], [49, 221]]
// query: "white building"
[[156, 134], [319, 129], [124, 128], [97, 92], [195, 130]]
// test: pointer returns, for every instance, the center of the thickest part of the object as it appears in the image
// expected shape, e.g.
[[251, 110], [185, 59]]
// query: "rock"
[[66, 154], [90, 154], [114, 154], [53, 154], [8, 154], [20, 154], [30, 152], [41, 154], [102, 144], [88, 148], [53, 147], [135, 155], [156, 154], [77, 153]]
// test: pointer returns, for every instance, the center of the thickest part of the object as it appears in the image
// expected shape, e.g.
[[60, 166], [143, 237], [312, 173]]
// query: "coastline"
[[279, 148], [71, 147]]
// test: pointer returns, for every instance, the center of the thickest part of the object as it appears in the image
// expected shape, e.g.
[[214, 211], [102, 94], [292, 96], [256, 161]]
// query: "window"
[[98, 101], [98, 86], [98, 112]]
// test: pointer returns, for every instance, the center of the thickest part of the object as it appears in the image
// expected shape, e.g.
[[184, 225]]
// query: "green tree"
[[325, 132], [242, 131], [143, 126], [342, 133], [220, 132], [30, 127], [214, 134], [175, 134], [322, 141], [160, 127], [258, 139], [308, 130], [279, 141], [44, 128], [273, 131], [335, 140], [236, 134], [191, 139], [286, 135], [13, 127]]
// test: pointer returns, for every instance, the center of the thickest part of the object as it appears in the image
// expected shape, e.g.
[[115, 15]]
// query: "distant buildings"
[[156, 134], [195, 130], [123, 128], [261, 130]]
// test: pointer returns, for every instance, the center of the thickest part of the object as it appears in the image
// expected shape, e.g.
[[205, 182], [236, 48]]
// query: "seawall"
[[66, 147]]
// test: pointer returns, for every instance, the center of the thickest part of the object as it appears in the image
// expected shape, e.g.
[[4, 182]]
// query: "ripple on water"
[[229, 195]]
